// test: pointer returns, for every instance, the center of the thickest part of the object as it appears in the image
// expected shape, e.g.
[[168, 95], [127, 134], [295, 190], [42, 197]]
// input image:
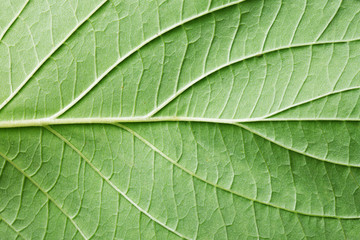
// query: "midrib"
[[111, 120]]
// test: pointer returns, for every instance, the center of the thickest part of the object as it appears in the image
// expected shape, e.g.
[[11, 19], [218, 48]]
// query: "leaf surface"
[[124, 119]]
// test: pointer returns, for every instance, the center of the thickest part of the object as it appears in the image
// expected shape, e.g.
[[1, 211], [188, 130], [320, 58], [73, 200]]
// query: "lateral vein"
[[190, 84], [292, 149], [23, 83], [44, 192], [6, 29], [154, 148], [12, 227], [57, 134], [120, 60]]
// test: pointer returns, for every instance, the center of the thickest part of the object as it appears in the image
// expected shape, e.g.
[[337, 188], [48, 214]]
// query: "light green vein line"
[[330, 21], [237, 122], [120, 60], [6, 29], [222, 188], [73, 121], [110, 120], [23, 83], [12, 227], [311, 100], [44, 192], [190, 84], [57, 134], [292, 149]]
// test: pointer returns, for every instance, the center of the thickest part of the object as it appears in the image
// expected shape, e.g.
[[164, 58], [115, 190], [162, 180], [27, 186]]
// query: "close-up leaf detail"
[[179, 119]]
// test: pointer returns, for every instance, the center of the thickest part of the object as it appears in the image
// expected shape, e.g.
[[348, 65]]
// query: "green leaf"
[[168, 119]]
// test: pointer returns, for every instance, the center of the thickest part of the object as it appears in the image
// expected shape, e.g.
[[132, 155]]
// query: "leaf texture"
[[174, 119]]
